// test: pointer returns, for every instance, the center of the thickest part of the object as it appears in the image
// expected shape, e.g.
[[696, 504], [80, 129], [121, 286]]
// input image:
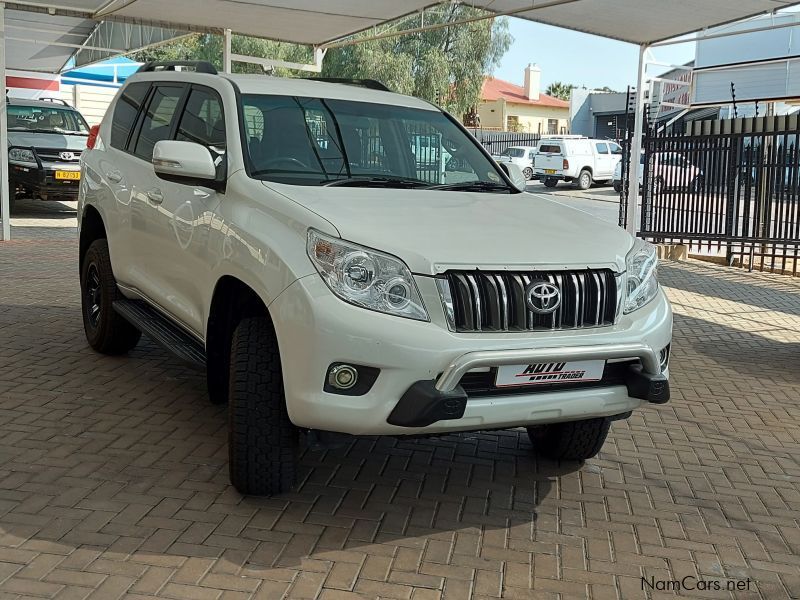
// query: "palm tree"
[[560, 90]]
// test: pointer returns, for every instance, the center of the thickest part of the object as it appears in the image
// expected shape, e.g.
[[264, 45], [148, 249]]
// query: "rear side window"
[[158, 119], [202, 120], [125, 112], [550, 149], [602, 148]]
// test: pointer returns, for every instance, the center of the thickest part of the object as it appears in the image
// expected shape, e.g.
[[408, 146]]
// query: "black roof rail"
[[372, 84], [62, 101], [200, 66]]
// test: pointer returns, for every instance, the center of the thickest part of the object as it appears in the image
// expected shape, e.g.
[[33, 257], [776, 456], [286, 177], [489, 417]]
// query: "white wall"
[[92, 101]]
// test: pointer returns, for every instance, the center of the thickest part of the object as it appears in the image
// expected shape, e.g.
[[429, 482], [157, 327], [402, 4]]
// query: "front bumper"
[[42, 183], [425, 362]]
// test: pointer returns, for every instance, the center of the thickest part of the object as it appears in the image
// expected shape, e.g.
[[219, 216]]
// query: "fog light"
[[663, 358], [343, 377]]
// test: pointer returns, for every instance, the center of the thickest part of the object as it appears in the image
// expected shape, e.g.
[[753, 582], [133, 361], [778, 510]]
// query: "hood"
[[433, 231], [47, 140]]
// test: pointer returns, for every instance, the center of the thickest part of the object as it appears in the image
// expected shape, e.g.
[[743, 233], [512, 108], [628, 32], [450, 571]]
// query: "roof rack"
[[62, 101], [200, 66], [372, 84]]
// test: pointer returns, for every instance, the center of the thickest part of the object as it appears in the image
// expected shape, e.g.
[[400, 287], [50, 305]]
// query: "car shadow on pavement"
[[127, 457]]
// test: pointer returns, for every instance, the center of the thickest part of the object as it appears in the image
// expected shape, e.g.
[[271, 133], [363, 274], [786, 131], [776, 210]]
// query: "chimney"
[[533, 79]]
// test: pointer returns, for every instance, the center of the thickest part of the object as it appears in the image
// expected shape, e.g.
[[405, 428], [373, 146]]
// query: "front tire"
[[584, 180], [106, 331], [573, 440], [262, 441], [617, 187]]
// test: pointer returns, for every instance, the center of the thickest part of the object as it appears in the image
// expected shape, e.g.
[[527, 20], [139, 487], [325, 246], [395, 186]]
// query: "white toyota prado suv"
[[289, 237]]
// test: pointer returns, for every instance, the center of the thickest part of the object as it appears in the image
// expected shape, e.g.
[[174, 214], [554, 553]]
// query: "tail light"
[[93, 132], [565, 166]]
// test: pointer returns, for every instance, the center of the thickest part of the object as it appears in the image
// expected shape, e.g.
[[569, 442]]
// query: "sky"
[[578, 58]]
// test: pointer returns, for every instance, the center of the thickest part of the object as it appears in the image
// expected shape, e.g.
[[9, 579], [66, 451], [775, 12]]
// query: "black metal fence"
[[727, 187], [497, 141]]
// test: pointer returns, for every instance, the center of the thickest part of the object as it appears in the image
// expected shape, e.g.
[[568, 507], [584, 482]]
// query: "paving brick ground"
[[113, 472]]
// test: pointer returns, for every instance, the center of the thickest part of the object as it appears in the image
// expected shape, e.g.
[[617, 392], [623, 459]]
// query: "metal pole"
[[636, 146], [226, 52], [5, 212]]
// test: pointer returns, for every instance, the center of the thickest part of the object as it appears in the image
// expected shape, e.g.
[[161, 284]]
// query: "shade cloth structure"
[[113, 71], [45, 34]]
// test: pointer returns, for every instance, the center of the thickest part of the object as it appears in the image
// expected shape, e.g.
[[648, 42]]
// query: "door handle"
[[155, 196], [114, 176]]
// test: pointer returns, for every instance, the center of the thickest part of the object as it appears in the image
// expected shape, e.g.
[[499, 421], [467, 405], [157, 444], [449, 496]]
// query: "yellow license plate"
[[550, 171], [68, 175]]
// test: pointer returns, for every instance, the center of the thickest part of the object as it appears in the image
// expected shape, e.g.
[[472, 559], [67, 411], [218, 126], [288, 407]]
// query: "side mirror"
[[184, 162], [515, 175]]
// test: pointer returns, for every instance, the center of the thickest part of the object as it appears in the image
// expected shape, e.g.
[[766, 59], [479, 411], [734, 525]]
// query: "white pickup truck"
[[576, 158]]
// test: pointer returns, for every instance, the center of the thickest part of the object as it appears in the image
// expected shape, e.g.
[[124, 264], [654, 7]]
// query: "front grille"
[[496, 300], [52, 155]]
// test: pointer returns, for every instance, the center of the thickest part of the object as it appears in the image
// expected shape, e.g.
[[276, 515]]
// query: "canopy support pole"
[[636, 145], [226, 52], [5, 212]]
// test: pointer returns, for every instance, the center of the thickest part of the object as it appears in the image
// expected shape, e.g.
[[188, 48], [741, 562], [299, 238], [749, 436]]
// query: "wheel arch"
[[92, 228], [231, 301]]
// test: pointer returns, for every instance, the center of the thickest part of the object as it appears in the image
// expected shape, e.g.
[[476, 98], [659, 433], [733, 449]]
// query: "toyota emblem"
[[66, 155], [542, 297]]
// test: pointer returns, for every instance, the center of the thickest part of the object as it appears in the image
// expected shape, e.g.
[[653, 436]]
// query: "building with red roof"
[[510, 107]]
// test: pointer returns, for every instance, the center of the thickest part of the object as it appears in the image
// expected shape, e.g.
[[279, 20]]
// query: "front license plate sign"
[[547, 373], [71, 175]]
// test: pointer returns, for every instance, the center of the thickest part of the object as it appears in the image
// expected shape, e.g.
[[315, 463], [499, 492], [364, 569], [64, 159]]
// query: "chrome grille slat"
[[476, 301], [495, 300], [504, 307]]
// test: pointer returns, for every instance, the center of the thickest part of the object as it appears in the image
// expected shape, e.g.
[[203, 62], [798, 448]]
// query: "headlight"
[[21, 155], [366, 277], [642, 275]]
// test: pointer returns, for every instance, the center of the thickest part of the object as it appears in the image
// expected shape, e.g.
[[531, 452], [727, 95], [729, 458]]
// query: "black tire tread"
[[114, 335], [580, 178], [573, 440], [262, 441]]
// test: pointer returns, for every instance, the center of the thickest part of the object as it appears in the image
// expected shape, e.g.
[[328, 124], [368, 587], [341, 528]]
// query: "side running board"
[[162, 331]]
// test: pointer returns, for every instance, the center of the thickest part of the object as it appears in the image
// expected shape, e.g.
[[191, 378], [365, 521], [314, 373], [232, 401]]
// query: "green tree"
[[560, 90], [209, 48], [445, 66]]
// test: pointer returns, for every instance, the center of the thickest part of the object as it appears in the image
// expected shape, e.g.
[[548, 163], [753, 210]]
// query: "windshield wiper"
[[387, 182], [473, 186]]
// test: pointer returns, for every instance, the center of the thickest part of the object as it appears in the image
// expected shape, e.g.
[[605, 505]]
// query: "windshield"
[[313, 141], [44, 119], [514, 152]]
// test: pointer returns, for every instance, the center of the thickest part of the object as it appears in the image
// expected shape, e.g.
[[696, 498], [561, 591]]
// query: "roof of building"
[[494, 89]]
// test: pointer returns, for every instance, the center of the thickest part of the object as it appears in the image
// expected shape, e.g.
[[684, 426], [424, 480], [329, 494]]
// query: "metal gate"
[[728, 188]]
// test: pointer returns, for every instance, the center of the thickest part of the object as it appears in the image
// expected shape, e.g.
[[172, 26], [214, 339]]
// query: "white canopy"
[[317, 23]]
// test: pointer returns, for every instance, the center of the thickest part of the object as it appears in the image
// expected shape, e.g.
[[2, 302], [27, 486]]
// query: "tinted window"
[[550, 148], [602, 148], [202, 120], [515, 152], [531, 154], [158, 118], [308, 141], [615, 148], [125, 112]]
